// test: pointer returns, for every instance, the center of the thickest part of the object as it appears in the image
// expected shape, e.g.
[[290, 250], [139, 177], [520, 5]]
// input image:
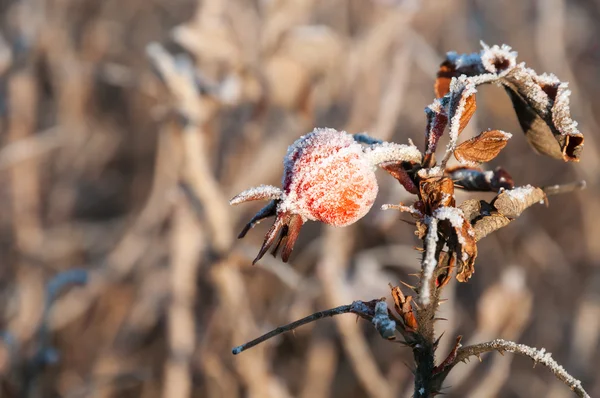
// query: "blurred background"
[[126, 126]]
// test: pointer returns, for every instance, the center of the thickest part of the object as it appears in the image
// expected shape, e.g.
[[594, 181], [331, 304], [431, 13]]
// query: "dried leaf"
[[476, 179], [544, 115], [462, 105], [444, 76], [397, 171], [470, 105], [541, 102], [437, 120], [511, 203], [445, 277], [483, 147], [488, 224], [404, 308], [462, 242], [437, 192]]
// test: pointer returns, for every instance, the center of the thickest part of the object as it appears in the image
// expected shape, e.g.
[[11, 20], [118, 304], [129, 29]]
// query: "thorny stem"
[[424, 349], [539, 356]]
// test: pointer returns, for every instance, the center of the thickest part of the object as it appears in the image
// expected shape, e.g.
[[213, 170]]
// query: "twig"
[[357, 307], [538, 356], [564, 188]]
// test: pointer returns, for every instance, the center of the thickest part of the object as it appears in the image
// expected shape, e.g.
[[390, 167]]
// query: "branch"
[[564, 188], [538, 356], [371, 310]]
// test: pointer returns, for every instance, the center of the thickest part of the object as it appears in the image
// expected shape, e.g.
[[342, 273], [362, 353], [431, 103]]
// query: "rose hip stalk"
[[329, 176]]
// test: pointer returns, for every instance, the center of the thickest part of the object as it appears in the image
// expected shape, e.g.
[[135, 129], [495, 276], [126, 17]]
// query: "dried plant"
[[329, 177]]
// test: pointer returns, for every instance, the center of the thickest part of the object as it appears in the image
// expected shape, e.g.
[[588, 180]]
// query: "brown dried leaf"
[[397, 171], [470, 105], [444, 77], [461, 241], [541, 102], [511, 203], [437, 192], [482, 148], [542, 108], [488, 224], [437, 120], [467, 253], [404, 308]]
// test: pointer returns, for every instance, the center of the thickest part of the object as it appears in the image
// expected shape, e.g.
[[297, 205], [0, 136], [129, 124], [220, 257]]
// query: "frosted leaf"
[[541, 102]]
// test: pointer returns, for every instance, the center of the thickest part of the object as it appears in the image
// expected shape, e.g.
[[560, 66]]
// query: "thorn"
[[479, 357], [501, 352], [419, 249], [440, 319], [442, 301], [413, 288], [415, 275], [437, 341]]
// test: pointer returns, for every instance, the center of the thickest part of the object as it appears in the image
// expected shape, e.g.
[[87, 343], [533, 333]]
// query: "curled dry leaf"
[[437, 192], [482, 148], [462, 240], [511, 203], [488, 224], [404, 308], [486, 218]]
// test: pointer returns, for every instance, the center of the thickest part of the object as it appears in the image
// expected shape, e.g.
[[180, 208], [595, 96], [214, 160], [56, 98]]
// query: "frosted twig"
[[538, 356], [357, 307], [429, 260]]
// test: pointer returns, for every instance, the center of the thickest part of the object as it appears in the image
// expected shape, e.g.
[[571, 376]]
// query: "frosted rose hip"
[[328, 178]]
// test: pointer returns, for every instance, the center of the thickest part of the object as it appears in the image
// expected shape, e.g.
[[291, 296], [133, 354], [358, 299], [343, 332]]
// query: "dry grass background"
[[127, 125]]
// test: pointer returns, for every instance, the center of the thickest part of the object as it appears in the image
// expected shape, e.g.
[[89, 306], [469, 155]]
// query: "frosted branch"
[[538, 356]]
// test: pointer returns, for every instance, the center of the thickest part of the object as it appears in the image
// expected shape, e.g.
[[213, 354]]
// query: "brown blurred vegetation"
[[118, 157]]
